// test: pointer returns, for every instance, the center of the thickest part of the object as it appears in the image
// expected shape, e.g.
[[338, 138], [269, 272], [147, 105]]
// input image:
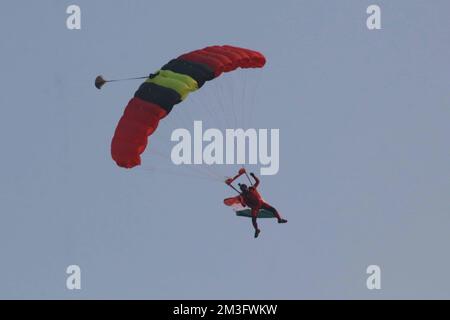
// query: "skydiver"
[[250, 197]]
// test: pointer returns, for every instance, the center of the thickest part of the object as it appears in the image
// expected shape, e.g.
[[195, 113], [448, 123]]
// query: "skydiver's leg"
[[268, 207], [255, 224]]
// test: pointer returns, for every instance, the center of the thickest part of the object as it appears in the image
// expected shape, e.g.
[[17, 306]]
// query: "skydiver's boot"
[[257, 232], [282, 220]]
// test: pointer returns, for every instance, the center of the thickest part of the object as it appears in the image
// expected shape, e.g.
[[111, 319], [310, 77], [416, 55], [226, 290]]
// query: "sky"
[[364, 173]]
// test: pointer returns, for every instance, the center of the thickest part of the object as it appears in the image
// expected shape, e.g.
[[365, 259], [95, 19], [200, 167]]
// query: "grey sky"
[[364, 175]]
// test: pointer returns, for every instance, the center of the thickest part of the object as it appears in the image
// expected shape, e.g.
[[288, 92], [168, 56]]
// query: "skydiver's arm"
[[256, 180]]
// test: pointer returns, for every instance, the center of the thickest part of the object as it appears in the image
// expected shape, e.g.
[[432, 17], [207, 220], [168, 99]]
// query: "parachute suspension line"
[[223, 94], [156, 152], [224, 97], [198, 170], [226, 100], [199, 102], [185, 116], [208, 104], [215, 174], [253, 97], [167, 126], [172, 170], [249, 91], [179, 113], [154, 170], [218, 104], [178, 119], [243, 102], [233, 98], [234, 101], [201, 170], [204, 169], [200, 98]]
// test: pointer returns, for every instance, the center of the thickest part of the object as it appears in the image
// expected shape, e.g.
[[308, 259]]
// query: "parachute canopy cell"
[[167, 87]]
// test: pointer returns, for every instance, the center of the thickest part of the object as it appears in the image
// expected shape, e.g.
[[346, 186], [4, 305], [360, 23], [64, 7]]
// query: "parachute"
[[241, 211], [169, 86]]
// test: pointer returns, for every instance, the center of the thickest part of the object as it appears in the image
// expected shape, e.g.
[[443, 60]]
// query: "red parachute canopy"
[[156, 97]]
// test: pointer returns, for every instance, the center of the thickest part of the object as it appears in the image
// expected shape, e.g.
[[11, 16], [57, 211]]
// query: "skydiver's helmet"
[[243, 187]]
